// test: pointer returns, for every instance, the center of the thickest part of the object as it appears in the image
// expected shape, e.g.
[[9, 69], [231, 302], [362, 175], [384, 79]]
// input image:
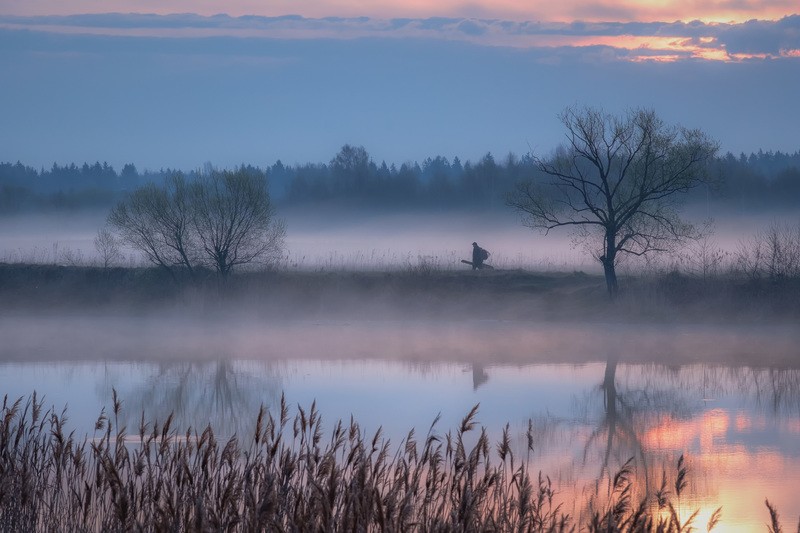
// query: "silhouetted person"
[[479, 255]]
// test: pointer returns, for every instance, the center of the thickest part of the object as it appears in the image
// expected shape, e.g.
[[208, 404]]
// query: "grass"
[[419, 291], [290, 475]]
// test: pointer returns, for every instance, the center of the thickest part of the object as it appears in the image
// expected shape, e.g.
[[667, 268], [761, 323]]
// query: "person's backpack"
[[484, 254]]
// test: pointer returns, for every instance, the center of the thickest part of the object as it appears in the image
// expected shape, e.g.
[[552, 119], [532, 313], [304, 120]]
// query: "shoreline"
[[409, 293], [55, 313]]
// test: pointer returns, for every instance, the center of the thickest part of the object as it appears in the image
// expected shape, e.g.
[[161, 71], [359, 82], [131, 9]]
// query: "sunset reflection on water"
[[737, 459]]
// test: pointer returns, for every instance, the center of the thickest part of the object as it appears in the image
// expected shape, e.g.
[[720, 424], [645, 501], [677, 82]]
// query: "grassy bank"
[[412, 292]]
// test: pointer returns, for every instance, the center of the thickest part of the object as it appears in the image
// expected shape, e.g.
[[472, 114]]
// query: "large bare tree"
[[234, 220], [617, 184], [219, 221]]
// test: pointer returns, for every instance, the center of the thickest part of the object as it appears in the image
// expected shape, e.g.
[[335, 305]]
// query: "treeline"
[[758, 180], [69, 186]]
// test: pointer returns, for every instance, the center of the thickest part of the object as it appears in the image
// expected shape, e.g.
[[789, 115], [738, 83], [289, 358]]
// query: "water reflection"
[[479, 375], [221, 393], [739, 427], [607, 428], [616, 423]]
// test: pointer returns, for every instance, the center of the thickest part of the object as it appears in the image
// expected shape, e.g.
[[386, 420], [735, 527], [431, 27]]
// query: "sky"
[[178, 83]]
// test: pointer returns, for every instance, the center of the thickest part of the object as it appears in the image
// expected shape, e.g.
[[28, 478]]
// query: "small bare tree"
[[773, 253], [704, 257], [108, 247], [616, 184]]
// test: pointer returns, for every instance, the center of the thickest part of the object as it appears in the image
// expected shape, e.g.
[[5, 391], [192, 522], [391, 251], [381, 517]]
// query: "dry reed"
[[287, 476]]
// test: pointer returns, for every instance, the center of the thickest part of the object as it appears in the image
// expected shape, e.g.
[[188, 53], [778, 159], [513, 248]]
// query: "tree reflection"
[[629, 411], [616, 423], [655, 413], [223, 393], [781, 392]]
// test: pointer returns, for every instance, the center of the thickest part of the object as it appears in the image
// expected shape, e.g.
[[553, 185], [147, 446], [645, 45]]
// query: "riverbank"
[[53, 313], [412, 293]]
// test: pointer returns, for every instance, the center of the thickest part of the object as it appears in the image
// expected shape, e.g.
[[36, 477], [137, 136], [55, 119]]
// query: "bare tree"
[[234, 220], [616, 184], [773, 253], [222, 220], [107, 246], [156, 221]]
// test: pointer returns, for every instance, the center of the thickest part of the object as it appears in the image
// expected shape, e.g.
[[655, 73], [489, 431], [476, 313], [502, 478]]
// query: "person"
[[479, 255]]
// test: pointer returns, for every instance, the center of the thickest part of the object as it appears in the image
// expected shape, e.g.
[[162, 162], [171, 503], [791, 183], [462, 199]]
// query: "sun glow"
[[703, 517], [717, 445]]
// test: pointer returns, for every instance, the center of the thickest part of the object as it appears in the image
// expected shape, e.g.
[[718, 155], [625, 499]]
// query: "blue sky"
[[181, 90]]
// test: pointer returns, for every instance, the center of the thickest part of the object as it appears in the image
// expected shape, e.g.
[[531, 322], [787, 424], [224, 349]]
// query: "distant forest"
[[756, 181]]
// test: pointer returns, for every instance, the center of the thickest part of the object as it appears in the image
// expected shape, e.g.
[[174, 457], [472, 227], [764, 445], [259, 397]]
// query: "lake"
[[593, 395]]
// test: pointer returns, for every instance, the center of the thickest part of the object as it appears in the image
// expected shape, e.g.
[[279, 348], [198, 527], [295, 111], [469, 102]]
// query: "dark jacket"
[[479, 255]]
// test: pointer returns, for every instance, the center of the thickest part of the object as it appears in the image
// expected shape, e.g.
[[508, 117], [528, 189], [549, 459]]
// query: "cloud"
[[762, 37], [640, 40], [516, 10], [729, 11], [472, 27]]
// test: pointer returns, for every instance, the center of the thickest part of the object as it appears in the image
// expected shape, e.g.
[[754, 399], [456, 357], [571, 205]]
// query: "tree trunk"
[[170, 270], [611, 278], [610, 387], [610, 404], [609, 260]]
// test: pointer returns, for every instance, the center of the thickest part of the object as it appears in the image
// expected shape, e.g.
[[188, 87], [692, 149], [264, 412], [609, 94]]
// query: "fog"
[[162, 337], [340, 239], [327, 238], [434, 308], [37, 237]]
